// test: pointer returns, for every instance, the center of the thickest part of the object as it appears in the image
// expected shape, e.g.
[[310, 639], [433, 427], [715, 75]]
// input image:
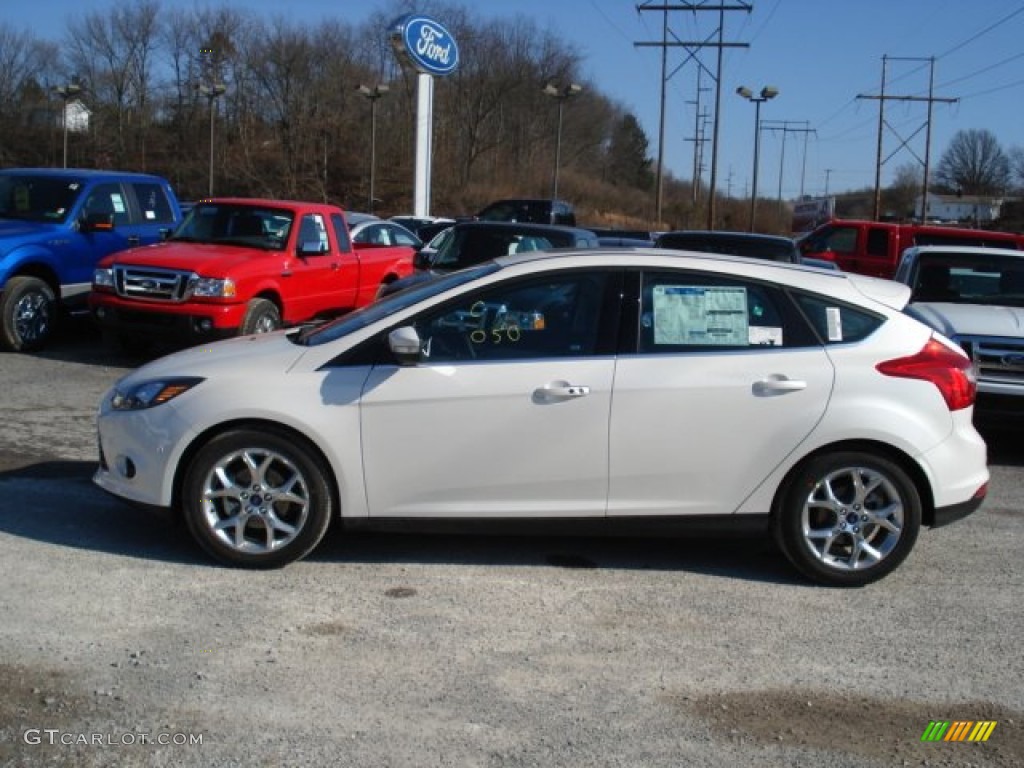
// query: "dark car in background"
[[752, 245], [468, 243], [530, 210]]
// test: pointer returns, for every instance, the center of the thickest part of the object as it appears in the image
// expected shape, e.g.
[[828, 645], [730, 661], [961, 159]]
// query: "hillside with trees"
[[281, 100]]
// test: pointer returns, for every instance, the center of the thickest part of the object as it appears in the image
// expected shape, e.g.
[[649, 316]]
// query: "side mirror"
[[422, 259], [97, 222], [406, 345]]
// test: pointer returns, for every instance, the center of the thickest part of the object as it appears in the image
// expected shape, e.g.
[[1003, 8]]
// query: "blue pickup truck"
[[55, 224]]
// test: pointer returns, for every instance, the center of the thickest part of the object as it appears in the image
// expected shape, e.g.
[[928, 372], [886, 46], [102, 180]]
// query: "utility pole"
[[692, 48], [698, 141], [784, 126], [883, 97]]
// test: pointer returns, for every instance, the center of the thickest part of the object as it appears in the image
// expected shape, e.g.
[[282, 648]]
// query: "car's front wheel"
[[28, 310], [848, 518], [257, 498], [261, 316]]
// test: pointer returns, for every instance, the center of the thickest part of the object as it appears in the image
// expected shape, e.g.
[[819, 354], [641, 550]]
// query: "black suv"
[[770, 247], [529, 210], [467, 243]]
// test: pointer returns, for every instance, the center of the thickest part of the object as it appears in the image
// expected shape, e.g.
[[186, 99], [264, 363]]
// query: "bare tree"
[[974, 164]]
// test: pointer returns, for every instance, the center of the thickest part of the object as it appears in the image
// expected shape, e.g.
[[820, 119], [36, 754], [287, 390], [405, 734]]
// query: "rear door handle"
[[777, 384], [560, 390], [134, 240]]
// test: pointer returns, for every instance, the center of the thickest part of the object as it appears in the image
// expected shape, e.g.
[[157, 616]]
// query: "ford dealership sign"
[[425, 44]]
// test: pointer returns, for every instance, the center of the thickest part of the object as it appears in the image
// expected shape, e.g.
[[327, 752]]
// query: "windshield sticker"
[[700, 315], [834, 320]]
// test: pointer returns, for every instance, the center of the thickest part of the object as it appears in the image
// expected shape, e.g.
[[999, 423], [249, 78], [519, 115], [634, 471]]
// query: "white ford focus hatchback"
[[633, 390]]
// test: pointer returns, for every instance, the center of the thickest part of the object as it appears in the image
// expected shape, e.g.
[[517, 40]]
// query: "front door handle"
[[777, 384], [133, 240]]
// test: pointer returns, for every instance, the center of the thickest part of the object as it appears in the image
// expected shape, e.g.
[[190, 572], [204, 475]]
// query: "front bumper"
[[189, 323]]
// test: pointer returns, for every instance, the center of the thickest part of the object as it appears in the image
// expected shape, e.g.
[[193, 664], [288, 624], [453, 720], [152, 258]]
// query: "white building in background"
[[977, 209]]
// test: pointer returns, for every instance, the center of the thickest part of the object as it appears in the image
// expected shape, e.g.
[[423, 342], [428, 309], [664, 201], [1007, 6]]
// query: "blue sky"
[[820, 54]]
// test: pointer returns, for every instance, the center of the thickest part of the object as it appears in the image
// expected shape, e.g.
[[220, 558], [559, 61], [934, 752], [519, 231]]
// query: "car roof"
[[86, 173], [851, 285], [979, 250], [524, 227]]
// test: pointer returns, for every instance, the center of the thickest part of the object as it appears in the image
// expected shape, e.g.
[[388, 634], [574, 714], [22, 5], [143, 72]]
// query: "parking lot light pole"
[[561, 95], [212, 92], [374, 93], [768, 92], [66, 93]]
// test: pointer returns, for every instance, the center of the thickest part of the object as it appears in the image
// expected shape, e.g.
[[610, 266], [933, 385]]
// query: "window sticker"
[[150, 215], [118, 202], [765, 336], [700, 315], [834, 320]]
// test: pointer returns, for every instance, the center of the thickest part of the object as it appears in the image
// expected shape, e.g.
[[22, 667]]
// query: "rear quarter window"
[[836, 322]]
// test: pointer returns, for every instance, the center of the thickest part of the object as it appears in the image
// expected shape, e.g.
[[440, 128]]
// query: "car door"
[[726, 381], [320, 279], [506, 416]]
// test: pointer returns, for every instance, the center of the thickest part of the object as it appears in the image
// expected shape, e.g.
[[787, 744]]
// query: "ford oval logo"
[[1013, 360], [425, 44]]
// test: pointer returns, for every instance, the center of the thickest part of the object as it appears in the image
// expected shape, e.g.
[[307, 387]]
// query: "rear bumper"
[[954, 512]]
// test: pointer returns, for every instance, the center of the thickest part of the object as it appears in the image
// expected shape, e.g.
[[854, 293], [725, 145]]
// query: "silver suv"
[[975, 296]]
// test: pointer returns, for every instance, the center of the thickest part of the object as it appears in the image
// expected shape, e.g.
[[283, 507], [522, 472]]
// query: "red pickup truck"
[[237, 266], [874, 247]]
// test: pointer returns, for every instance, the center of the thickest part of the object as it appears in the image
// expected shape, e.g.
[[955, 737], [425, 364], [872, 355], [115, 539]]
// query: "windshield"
[[236, 224], [389, 305], [37, 198], [970, 278]]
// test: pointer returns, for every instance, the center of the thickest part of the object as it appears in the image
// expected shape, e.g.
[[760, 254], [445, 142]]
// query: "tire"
[[28, 312], [256, 499], [261, 316], [848, 518]]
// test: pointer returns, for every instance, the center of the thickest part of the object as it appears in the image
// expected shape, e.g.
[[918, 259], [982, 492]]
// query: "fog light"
[[101, 312], [126, 467], [204, 325]]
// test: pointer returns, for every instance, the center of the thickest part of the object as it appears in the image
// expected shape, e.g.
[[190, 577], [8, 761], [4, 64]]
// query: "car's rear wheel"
[[257, 498], [28, 310], [261, 316], [848, 518]]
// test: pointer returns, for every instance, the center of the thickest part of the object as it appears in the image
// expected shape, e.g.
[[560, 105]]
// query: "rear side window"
[[153, 203], [835, 322], [682, 312], [341, 233]]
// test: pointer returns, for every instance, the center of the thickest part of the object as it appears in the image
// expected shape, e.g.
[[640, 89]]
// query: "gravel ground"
[[123, 645]]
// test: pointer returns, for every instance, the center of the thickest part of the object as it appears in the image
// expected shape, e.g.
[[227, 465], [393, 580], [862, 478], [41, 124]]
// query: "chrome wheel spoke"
[[852, 518], [256, 500]]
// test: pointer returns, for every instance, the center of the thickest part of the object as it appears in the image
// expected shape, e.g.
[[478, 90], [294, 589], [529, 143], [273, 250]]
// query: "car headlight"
[[103, 277], [147, 394], [212, 287]]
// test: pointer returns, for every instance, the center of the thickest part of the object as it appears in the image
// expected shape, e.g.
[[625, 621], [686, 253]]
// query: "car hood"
[[969, 319], [268, 352], [207, 259], [17, 232]]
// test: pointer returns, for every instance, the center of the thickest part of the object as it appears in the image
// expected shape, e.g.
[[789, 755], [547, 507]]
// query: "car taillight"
[[951, 372]]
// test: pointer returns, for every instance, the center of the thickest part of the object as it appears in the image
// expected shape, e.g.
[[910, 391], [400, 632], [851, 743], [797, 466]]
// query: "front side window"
[[682, 312], [107, 200], [313, 234], [554, 316]]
